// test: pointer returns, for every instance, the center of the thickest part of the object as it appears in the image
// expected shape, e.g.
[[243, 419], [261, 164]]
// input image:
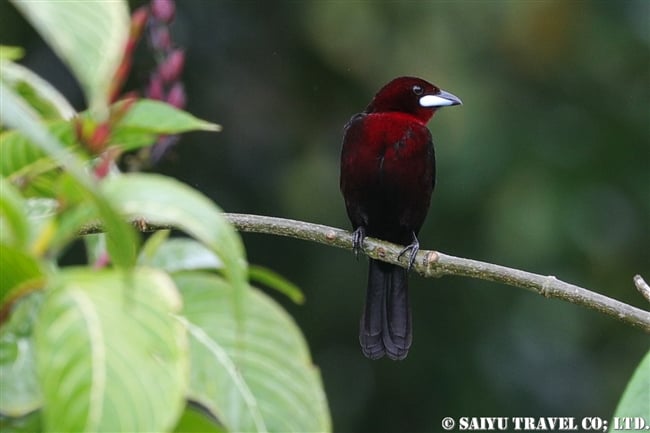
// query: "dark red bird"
[[387, 177]]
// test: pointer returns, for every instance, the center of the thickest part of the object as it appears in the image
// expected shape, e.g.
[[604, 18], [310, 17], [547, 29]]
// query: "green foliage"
[[194, 421], [88, 36], [263, 371], [108, 340], [11, 53], [272, 279], [178, 254], [43, 97], [160, 118], [636, 397], [14, 229], [126, 347], [21, 391]]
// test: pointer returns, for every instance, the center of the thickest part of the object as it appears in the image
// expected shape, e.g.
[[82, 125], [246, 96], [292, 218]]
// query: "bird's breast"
[[388, 148], [387, 174]]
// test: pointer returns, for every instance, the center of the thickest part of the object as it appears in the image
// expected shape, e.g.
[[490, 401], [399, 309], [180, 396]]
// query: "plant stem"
[[436, 264], [431, 263]]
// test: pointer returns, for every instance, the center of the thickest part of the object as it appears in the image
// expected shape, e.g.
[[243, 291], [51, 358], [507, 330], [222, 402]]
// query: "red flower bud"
[[97, 141], [171, 69], [155, 89], [103, 167], [138, 20], [163, 10], [106, 161], [176, 96], [161, 40]]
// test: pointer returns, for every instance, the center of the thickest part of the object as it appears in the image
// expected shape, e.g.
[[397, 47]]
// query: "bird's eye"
[[418, 90]]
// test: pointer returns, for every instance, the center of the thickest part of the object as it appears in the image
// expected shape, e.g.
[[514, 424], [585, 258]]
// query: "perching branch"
[[436, 264], [642, 286]]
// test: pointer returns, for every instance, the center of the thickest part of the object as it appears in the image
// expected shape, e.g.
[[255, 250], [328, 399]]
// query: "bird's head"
[[413, 96]]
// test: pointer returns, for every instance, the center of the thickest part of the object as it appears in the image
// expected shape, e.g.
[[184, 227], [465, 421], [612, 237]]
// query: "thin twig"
[[642, 286], [431, 264], [436, 264]]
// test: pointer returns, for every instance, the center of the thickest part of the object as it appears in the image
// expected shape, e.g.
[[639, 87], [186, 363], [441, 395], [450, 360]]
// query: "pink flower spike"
[[155, 89], [172, 68], [161, 40], [176, 96], [163, 10]]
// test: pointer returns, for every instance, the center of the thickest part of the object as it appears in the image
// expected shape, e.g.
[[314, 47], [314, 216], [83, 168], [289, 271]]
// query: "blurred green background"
[[546, 167]]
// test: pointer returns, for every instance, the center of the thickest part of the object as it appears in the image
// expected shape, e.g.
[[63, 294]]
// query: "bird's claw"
[[414, 247], [357, 240]]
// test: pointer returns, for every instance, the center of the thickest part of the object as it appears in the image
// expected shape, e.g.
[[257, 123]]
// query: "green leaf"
[[19, 270], [29, 423], [41, 215], [635, 401], [129, 139], [162, 200], [38, 185], [194, 421], [161, 118], [151, 246], [257, 379], [276, 281], [88, 36], [110, 355], [14, 229], [15, 113], [40, 94], [182, 254], [21, 392], [122, 241], [95, 245], [41, 208], [9, 52], [68, 226], [21, 157]]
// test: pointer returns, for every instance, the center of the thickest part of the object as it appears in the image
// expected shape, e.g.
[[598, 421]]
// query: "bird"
[[387, 176]]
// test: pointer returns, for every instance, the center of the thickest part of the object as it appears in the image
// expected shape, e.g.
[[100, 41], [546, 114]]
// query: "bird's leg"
[[357, 240], [414, 247]]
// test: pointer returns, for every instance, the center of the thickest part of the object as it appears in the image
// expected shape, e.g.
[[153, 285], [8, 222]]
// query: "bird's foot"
[[413, 249], [357, 240]]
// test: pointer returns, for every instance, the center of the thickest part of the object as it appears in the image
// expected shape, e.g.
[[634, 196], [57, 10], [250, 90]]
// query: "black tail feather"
[[386, 321]]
